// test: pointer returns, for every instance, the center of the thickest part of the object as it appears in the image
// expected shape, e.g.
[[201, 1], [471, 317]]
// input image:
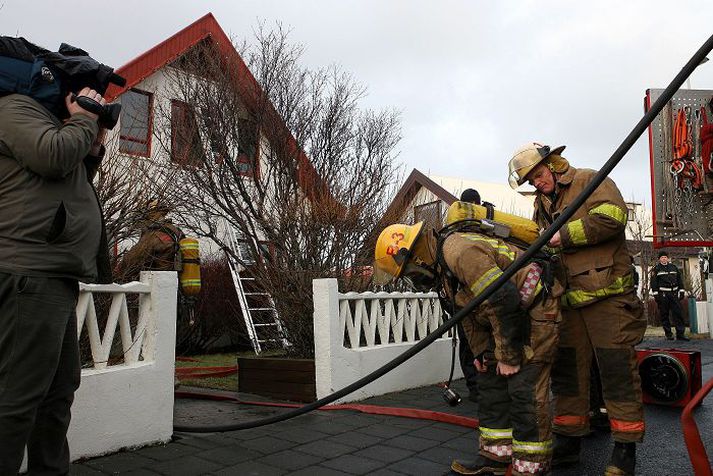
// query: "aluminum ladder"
[[256, 305]]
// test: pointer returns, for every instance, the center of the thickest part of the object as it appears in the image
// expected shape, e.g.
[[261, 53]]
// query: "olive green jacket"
[[50, 218]]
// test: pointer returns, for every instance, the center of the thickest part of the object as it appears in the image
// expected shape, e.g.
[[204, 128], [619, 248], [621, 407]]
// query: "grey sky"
[[473, 79]]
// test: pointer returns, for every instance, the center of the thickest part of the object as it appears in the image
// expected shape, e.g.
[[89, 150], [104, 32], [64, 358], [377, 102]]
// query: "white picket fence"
[[355, 333]]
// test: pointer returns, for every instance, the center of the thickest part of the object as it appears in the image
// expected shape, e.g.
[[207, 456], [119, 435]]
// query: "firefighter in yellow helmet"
[[513, 335], [603, 317]]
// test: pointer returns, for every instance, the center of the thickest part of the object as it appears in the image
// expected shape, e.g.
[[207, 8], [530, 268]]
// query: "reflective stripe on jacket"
[[665, 278], [593, 247]]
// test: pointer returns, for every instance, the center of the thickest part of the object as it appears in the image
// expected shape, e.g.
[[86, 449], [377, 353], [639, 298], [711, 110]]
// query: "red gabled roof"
[[207, 28]]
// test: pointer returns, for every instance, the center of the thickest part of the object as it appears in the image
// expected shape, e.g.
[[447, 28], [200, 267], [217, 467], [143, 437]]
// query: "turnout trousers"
[[39, 372], [607, 331], [669, 304], [514, 412]]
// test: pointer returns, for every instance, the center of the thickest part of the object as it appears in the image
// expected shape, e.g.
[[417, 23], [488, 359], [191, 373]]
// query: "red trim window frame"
[[123, 138], [183, 116], [243, 154]]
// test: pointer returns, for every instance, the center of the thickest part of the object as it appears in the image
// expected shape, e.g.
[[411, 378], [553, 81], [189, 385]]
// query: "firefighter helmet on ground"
[[526, 158]]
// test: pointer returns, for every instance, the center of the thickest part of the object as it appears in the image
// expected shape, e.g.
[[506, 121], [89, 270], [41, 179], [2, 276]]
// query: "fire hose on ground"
[[606, 169]]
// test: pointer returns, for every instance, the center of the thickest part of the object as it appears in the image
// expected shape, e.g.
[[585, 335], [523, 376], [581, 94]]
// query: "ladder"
[[257, 306]]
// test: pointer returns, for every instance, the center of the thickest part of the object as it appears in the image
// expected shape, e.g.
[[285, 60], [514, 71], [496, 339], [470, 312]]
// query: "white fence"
[[126, 402], [356, 333]]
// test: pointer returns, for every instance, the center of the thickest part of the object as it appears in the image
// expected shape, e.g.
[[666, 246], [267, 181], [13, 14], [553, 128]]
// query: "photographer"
[[51, 237]]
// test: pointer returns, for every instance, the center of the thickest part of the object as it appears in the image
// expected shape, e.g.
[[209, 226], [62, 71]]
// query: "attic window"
[[430, 214], [136, 123]]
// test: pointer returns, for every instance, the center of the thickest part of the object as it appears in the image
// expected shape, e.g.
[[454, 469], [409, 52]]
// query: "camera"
[[108, 114], [451, 397], [48, 76]]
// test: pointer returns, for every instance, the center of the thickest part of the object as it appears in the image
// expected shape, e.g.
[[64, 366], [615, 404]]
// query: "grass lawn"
[[230, 382]]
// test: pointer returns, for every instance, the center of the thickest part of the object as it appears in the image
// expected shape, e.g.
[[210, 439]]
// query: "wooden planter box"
[[281, 379]]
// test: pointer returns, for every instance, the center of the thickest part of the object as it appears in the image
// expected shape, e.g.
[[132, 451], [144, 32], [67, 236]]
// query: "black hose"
[[616, 157]]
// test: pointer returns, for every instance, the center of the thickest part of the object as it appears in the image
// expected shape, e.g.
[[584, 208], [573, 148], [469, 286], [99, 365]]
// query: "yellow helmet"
[[393, 249], [526, 158]]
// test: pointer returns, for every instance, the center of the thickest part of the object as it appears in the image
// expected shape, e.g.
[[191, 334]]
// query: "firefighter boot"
[[480, 465], [566, 450], [623, 460]]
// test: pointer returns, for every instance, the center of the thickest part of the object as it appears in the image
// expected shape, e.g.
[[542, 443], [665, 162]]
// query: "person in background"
[[667, 290], [158, 246]]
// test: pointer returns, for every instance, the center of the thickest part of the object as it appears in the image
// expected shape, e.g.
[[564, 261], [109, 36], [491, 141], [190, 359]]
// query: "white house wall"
[[159, 84]]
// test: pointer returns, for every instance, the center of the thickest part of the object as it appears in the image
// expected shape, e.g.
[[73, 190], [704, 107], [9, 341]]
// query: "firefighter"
[[667, 289], [513, 353], [602, 315], [158, 246]]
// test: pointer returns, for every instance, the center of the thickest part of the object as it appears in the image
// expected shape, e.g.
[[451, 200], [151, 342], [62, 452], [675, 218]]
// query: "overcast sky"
[[473, 79]]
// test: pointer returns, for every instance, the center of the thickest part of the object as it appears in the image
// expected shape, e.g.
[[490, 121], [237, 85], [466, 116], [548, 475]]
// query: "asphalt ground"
[[348, 442]]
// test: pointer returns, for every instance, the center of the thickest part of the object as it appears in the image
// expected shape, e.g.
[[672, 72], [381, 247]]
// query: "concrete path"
[[348, 442]]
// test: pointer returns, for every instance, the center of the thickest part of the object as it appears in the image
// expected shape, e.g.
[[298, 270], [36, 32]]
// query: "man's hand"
[[555, 241], [74, 108], [507, 370], [481, 367]]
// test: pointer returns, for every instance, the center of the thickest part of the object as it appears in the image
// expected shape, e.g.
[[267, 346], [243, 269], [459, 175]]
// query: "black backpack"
[[22, 72]]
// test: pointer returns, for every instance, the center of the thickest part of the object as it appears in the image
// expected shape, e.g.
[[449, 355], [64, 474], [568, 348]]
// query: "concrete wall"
[[338, 366], [131, 405]]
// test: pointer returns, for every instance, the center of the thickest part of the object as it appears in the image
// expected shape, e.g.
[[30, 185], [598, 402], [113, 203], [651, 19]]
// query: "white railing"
[[356, 333], [394, 317], [128, 402], [136, 344]]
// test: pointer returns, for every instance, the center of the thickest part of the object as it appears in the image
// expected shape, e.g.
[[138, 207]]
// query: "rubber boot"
[[566, 450], [623, 460], [480, 465]]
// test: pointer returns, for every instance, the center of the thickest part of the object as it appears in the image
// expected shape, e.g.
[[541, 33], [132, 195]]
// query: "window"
[[247, 147], [630, 212], [429, 213], [135, 132], [186, 144]]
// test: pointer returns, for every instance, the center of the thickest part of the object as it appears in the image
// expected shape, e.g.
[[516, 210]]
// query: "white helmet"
[[526, 158]]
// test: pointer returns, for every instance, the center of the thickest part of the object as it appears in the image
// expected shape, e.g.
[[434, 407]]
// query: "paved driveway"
[[347, 442]]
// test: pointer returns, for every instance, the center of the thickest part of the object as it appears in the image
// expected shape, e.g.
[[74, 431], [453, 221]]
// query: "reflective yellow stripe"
[[488, 277], [612, 211], [576, 232], [495, 244], [494, 433], [192, 282], [532, 447], [578, 297]]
